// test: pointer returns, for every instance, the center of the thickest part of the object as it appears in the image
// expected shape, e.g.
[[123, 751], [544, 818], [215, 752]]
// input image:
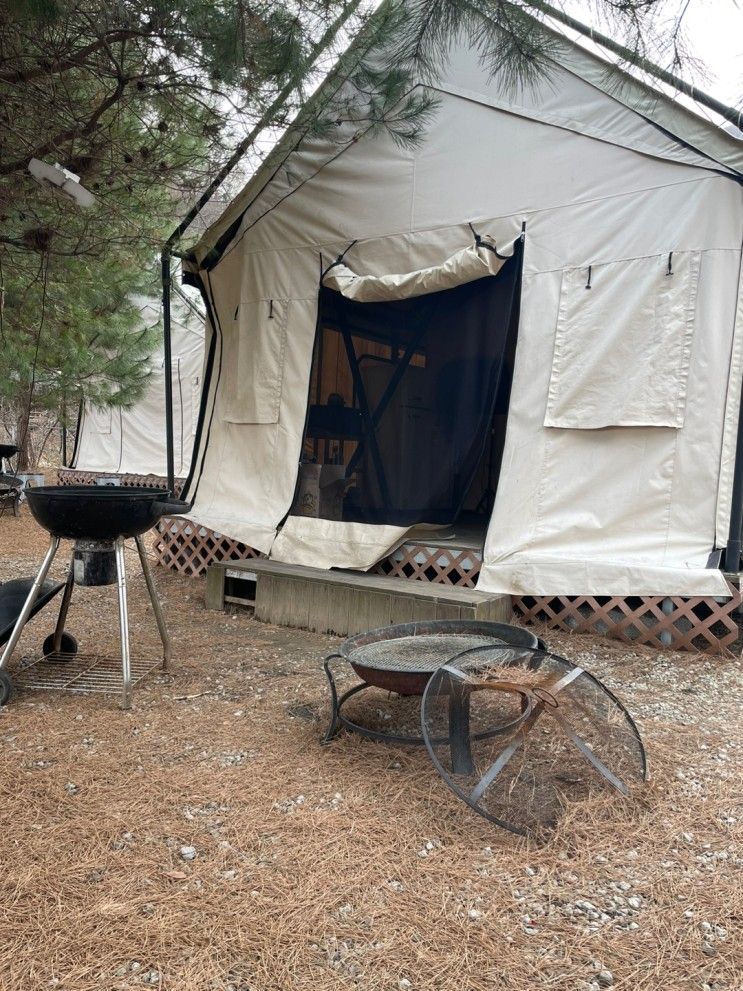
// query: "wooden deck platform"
[[342, 602]]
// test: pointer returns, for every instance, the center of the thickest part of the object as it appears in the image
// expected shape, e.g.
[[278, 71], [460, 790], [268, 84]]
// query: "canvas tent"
[[116, 441], [536, 316]]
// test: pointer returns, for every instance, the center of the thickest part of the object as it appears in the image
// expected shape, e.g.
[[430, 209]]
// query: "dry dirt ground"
[[204, 841]]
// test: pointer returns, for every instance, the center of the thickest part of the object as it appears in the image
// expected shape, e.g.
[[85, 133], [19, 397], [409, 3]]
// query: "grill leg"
[[156, 607], [29, 603], [64, 608], [126, 671]]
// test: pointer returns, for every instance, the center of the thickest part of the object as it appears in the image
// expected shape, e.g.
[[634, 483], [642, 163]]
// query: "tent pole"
[[165, 269], [639, 61], [733, 549], [169, 248], [64, 431]]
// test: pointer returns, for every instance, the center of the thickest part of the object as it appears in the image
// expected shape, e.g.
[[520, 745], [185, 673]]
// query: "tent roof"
[[723, 149]]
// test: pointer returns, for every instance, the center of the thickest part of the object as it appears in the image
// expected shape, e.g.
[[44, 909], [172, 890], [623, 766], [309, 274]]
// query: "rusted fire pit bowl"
[[402, 658]]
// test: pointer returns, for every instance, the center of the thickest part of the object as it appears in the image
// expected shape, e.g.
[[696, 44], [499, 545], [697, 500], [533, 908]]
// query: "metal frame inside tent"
[[659, 109]]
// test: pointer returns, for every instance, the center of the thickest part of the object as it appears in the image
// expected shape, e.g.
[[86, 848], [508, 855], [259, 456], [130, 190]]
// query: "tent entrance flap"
[[403, 394]]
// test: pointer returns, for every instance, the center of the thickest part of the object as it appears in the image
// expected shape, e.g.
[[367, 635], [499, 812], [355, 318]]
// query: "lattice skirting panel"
[[698, 624], [71, 476], [185, 547], [421, 562]]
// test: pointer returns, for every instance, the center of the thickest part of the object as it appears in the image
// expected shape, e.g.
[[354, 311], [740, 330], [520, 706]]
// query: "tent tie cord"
[[588, 282], [480, 242], [338, 261], [670, 263]]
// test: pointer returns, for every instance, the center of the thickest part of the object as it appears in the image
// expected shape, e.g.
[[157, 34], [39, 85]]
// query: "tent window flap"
[[623, 343], [255, 375], [402, 398]]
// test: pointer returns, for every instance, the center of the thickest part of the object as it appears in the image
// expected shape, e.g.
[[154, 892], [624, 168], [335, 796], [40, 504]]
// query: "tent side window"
[[255, 369], [623, 342]]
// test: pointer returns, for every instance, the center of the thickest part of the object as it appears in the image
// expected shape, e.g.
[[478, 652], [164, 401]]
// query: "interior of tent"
[[407, 404]]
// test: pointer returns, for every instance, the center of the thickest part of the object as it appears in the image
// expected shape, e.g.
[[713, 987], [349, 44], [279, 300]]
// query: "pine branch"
[[75, 61], [69, 134]]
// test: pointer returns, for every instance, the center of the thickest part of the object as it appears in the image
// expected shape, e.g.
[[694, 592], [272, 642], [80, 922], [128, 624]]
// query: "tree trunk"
[[23, 438]]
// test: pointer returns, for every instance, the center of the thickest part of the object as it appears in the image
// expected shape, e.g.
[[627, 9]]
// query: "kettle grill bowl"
[[88, 512]]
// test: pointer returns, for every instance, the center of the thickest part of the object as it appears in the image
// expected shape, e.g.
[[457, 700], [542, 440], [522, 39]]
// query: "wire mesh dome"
[[519, 733]]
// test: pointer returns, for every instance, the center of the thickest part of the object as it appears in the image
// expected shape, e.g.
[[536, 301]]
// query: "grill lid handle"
[[171, 507]]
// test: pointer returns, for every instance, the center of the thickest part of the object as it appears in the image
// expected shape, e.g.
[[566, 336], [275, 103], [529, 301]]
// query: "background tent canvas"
[[132, 441], [616, 441]]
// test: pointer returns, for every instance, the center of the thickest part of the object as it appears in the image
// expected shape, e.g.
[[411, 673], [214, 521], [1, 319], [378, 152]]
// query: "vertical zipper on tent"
[[588, 283]]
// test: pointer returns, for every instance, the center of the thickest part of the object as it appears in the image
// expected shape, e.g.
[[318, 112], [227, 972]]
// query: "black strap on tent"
[[670, 263], [338, 261], [588, 281], [480, 242]]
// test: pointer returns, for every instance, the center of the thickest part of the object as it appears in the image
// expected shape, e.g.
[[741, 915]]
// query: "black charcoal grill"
[[98, 519]]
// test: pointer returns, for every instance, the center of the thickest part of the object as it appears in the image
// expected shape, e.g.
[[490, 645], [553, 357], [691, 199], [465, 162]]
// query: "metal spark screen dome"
[[519, 734]]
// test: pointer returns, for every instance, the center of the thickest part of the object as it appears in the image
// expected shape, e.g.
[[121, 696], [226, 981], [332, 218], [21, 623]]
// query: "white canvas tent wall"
[[621, 435], [132, 441]]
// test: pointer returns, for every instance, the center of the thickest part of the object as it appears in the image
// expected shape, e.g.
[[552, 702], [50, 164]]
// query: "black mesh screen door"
[[402, 397]]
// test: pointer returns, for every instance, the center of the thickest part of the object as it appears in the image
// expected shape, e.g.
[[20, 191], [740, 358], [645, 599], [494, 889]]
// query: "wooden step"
[[344, 602]]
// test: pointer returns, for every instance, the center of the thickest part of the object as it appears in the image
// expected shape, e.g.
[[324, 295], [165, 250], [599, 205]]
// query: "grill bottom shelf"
[[83, 673]]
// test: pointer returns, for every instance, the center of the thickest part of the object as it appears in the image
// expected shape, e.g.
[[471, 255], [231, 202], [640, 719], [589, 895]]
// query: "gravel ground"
[[204, 840]]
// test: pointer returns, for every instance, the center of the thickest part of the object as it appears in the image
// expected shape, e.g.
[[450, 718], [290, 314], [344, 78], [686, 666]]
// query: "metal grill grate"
[[417, 653], [83, 673]]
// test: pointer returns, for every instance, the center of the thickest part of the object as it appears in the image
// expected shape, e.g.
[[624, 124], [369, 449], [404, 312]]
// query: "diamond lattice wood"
[[697, 624], [189, 549], [71, 476], [421, 562]]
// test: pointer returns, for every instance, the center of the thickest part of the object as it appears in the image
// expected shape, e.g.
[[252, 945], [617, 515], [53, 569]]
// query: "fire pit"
[[532, 732], [515, 731], [402, 658]]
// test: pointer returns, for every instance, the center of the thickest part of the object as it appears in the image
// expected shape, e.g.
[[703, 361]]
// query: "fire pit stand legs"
[[459, 721], [338, 719], [459, 728]]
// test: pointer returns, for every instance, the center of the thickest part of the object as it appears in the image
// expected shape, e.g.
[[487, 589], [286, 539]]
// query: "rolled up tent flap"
[[474, 262]]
